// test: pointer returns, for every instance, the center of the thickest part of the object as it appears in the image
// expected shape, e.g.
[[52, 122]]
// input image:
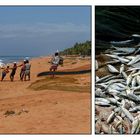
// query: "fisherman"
[[27, 70], [13, 71], [22, 71], [55, 62], [4, 72]]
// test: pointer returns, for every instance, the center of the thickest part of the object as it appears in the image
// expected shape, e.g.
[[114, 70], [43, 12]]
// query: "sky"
[[41, 30]]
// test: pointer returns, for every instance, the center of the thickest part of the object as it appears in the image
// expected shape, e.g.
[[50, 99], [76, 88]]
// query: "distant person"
[[55, 62], [13, 71], [22, 71], [4, 72], [27, 70]]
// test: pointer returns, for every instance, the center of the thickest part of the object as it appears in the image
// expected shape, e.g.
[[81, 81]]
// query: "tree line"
[[78, 49]]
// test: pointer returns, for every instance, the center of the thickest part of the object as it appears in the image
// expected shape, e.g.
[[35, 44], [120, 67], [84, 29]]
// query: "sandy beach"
[[44, 105]]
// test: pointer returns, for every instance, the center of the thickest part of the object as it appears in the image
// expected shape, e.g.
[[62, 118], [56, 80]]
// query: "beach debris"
[[9, 112], [22, 111], [118, 93]]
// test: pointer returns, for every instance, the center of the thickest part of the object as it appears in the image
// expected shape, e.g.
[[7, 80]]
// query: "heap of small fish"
[[120, 90]]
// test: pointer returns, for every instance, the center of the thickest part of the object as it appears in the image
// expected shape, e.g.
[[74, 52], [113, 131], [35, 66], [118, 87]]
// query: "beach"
[[43, 105]]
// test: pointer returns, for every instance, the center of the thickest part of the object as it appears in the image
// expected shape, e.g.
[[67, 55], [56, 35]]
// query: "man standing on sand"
[[55, 62], [22, 71], [27, 70]]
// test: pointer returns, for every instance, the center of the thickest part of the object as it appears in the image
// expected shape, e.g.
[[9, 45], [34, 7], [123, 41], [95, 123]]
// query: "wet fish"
[[112, 56], [113, 101], [103, 100], [135, 109], [112, 69], [123, 60], [124, 75], [103, 78], [99, 93], [129, 79], [135, 126], [134, 81], [96, 65], [97, 78], [122, 68], [138, 79], [127, 114], [133, 97], [134, 60], [111, 117], [102, 103]]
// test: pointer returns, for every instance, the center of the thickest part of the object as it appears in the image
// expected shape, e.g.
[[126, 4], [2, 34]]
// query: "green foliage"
[[78, 49]]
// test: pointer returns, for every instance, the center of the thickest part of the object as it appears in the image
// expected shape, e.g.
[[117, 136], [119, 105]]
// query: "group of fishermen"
[[24, 72], [26, 66]]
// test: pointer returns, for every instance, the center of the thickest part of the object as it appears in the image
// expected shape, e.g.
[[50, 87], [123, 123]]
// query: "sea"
[[10, 59]]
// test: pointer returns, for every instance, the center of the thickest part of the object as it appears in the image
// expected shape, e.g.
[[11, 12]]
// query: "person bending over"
[[4, 72], [13, 72]]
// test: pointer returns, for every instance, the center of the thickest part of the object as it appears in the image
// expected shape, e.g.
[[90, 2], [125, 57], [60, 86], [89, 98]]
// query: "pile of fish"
[[119, 91]]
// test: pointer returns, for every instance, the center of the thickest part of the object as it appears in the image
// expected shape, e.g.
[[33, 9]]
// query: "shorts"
[[27, 72], [54, 67]]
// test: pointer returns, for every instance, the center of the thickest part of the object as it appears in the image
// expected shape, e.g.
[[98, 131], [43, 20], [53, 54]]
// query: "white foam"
[[2, 64]]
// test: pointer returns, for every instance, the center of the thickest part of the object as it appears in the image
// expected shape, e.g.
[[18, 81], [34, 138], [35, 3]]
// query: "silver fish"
[[96, 65], [129, 79], [113, 101], [127, 114], [112, 56], [99, 93], [135, 126], [113, 62], [103, 78], [112, 69], [134, 81], [134, 60], [138, 73], [135, 109], [111, 117], [103, 100], [122, 68], [124, 75], [135, 88], [102, 103], [133, 97], [97, 78], [138, 79], [123, 60]]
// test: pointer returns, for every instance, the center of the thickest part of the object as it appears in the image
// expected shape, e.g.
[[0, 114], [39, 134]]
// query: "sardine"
[[128, 114], [112, 69], [104, 104], [135, 126], [111, 117]]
